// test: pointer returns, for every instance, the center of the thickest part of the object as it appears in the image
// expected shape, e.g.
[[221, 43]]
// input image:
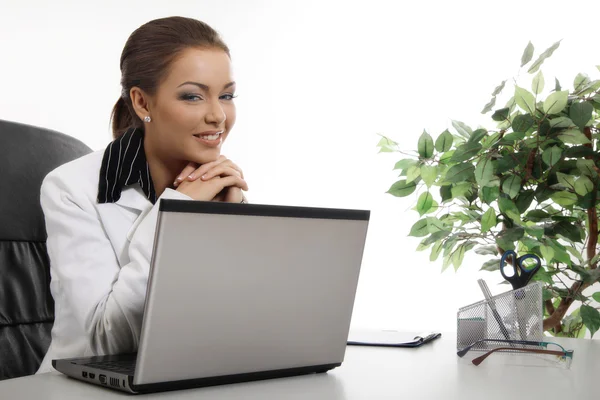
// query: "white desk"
[[430, 372]]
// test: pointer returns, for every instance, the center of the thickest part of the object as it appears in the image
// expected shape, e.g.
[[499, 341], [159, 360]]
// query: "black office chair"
[[27, 154]]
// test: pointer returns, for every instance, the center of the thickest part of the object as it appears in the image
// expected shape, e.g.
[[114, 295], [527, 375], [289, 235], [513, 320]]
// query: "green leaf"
[[557, 87], [460, 173], [540, 60], [419, 229], [402, 188], [424, 203], [509, 208], [564, 198], [591, 318], [501, 114], [488, 141], [490, 194], [575, 253], [405, 163], [551, 155], [412, 173], [458, 256], [527, 54], [434, 225], [573, 136], [542, 275], [466, 151], [581, 113], [491, 265], [569, 230], [446, 192], [435, 237], [484, 172], [556, 102], [387, 145], [524, 200], [423, 246], [435, 251], [489, 250], [535, 231], [513, 234], [567, 181], [477, 135], [488, 220], [499, 88], [596, 296], [581, 152], [561, 122], [537, 215], [512, 186], [580, 82], [425, 145], [546, 294], [462, 129], [429, 174], [525, 100], [547, 253], [488, 107], [587, 167], [522, 123], [462, 189], [538, 83], [444, 142], [583, 185]]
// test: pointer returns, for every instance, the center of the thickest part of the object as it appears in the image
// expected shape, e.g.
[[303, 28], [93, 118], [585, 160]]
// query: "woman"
[[175, 111]]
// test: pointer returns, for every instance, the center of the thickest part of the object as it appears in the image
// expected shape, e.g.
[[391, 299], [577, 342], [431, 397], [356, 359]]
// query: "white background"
[[317, 80]]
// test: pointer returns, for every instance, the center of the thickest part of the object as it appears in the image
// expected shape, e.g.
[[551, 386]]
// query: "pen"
[[492, 304]]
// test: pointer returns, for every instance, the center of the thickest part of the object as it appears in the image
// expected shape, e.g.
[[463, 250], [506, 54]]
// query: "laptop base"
[[78, 368]]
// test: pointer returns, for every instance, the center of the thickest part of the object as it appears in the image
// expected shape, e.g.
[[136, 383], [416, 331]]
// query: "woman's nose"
[[216, 115]]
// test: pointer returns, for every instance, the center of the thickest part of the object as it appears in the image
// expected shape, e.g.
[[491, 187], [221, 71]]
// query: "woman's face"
[[192, 110]]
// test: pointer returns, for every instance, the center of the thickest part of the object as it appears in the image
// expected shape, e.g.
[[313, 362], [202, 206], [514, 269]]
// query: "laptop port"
[[102, 379], [84, 374], [92, 375]]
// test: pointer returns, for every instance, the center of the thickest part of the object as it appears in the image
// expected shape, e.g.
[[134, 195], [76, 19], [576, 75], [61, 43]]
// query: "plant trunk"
[[555, 318]]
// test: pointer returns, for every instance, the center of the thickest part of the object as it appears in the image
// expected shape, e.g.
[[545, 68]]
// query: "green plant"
[[530, 184]]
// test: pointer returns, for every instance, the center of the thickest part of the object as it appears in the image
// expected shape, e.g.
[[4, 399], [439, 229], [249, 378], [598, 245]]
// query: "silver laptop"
[[239, 292]]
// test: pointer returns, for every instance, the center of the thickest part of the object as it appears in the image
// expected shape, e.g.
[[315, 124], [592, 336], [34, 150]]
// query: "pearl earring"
[[147, 118]]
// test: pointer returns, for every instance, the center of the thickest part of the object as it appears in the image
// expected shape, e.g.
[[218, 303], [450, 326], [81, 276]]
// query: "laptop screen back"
[[242, 288]]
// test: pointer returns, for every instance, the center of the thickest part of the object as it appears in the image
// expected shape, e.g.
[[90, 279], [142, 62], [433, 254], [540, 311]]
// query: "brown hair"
[[147, 56]]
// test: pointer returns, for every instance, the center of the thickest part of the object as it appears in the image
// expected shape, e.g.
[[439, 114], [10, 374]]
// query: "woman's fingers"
[[232, 180], [221, 170], [191, 167], [204, 168]]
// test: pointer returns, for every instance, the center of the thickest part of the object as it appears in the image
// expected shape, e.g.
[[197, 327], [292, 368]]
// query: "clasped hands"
[[219, 180]]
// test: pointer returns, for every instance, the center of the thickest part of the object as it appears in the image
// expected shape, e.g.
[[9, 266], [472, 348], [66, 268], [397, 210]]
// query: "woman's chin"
[[205, 157]]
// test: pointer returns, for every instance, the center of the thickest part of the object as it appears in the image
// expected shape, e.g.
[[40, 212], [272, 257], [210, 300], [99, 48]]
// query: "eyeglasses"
[[564, 356]]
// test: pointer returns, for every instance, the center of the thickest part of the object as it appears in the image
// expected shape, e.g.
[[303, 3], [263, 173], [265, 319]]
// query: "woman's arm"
[[107, 300]]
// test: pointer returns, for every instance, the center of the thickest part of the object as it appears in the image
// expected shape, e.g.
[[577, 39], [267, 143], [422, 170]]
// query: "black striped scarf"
[[123, 164]]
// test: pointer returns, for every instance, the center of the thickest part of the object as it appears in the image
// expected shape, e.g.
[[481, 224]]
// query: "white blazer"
[[99, 261]]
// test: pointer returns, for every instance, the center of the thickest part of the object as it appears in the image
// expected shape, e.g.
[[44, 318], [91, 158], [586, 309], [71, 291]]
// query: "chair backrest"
[[27, 154]]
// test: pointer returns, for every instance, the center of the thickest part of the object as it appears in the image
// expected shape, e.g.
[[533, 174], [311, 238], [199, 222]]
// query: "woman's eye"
[[191, 97], [228, 96]]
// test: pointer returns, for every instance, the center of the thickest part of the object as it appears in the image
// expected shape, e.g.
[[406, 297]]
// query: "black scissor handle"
[[521, 275]]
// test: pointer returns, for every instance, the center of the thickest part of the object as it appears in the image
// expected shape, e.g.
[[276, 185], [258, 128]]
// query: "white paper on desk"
[[386, 337]]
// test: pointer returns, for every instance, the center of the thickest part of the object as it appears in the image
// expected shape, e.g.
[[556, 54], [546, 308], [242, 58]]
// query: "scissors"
[[521, 275]]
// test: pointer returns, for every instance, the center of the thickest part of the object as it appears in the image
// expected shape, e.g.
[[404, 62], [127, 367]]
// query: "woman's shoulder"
[[79, 175]]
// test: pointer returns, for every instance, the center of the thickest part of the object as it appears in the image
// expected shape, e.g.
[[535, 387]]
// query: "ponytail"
[[122, 118]]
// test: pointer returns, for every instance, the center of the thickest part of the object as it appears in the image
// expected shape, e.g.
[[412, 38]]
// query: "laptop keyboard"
[[119, 366]]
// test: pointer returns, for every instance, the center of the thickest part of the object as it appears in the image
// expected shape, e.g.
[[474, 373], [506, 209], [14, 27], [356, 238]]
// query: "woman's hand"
[[220, 169]]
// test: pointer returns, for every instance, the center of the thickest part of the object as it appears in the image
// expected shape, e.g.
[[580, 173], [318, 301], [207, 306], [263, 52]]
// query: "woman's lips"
[[211, 140]]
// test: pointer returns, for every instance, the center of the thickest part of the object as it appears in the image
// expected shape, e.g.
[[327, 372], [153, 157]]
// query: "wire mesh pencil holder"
[[512, 315]]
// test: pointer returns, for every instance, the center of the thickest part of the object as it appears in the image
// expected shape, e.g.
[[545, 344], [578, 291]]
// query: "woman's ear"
[[140, 101]]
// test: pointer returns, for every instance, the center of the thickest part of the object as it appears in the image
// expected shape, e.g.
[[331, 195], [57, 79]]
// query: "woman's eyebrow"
[[203, 86]]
